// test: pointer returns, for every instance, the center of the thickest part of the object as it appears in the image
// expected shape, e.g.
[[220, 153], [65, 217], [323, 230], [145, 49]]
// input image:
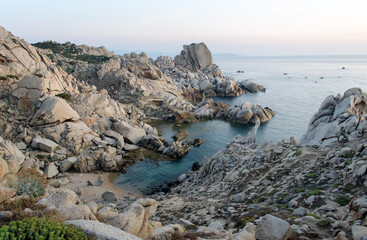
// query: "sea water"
[[295, 88]]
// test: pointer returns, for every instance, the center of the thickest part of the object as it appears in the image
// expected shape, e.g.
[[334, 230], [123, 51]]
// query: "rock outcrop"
[[37, 73], [339, 118], [195, 57]]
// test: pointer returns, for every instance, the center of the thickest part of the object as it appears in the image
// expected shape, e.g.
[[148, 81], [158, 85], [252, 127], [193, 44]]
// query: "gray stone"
[[67, 164], [44, 144], [102, 231], [109, 196], [300, 212], [359, 232], [273, 228]]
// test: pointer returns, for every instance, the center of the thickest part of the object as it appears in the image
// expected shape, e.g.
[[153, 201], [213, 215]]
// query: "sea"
[[295, 88]]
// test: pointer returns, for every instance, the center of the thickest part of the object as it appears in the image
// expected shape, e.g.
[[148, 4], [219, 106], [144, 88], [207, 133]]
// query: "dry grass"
[[16, 207]]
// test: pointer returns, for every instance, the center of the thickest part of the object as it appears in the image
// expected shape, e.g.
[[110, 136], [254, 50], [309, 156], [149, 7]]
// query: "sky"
[[256, 27]]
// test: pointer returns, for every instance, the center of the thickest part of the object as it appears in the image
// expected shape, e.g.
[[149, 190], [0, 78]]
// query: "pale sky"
[[256, 27]]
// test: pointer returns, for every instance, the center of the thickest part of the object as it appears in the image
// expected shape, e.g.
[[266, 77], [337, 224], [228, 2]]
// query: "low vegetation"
[[39, 229], [70, 50], [29, 182], [342, 200]]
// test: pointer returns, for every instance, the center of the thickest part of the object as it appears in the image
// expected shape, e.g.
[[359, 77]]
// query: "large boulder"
[[251, 86], [12, 156], [273, 228], [60, 198], [131, 134], [54, 110], [102, 231], [76, 212], [338, 119], [134, 219], [195, 56]]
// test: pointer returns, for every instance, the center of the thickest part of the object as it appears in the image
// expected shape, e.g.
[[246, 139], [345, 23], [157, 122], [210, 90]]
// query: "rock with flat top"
[[44, 144], [59, 198], [131, 134], [102, 231]]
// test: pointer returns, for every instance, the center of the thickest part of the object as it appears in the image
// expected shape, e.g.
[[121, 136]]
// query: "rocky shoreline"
[[68, 110]]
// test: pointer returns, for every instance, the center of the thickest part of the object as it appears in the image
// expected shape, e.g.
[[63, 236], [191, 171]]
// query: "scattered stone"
[[99, 182], [109, 196], [51, 170], [44, 144]]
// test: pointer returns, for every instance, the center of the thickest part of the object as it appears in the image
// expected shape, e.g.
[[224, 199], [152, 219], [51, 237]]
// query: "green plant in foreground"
[[342, 200], [28, 185], [41, 229], [3, 78]]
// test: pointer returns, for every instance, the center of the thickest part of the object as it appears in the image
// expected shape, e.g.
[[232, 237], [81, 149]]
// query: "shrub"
[[297, 153], [349, 155], [16, 207], [324, 223], [315, 192], [313, 215], [311, 175], [30, 185], [241, 223], [342, 200], [11, 76], [39, 229], [3, 78], [65, 96]]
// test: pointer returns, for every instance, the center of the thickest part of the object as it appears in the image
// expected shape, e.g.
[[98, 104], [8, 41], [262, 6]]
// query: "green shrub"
[[3, 78], [342, 200], [311, 175], [40, 229], [241, 223], [324, 223], [313, 215], [65, 96], [11, 76], [349, 155], [297, 153], [315, 192], [30, 185]]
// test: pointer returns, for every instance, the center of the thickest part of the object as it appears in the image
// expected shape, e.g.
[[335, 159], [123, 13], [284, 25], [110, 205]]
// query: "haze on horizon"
[[267, 27]]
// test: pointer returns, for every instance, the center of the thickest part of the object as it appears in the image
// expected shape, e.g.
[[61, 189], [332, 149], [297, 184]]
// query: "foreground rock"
[[102, 231], [273, 228], [134, 219]]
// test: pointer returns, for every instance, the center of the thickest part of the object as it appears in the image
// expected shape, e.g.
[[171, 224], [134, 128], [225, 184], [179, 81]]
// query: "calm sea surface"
[[294, 97]]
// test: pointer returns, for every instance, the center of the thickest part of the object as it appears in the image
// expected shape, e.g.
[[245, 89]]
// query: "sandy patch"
[[94, 193]]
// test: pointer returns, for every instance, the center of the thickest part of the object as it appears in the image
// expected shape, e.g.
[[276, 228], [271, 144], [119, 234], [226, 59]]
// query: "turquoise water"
[[294, 97]]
